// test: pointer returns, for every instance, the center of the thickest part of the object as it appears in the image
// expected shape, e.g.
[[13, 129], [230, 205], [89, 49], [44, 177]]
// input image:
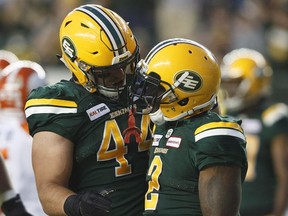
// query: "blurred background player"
[[16, 82], [6, 58], [246, 83]]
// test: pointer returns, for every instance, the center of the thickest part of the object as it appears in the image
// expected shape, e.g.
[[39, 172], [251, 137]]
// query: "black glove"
[[14, 207], [90, 203]]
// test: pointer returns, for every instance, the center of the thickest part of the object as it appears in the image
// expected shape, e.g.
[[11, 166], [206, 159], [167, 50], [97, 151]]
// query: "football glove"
[[14, 207], [89, 203]]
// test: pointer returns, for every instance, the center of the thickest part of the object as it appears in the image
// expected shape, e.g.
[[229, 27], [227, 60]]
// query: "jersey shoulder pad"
[[55, 108], [274, 113], [219, 126], [59, 98], [219, 140], [64, 89]]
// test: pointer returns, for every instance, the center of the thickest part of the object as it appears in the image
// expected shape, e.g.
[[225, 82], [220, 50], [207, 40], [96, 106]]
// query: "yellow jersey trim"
[[214, 125]]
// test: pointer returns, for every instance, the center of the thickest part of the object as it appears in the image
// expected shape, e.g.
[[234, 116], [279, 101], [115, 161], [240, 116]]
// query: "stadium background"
[[30, 29]]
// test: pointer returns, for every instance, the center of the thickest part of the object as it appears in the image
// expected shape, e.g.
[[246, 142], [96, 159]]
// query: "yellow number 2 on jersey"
[[151, 199]]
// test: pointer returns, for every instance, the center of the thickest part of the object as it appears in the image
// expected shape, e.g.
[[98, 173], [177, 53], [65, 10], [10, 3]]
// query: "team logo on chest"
[[97, 111]]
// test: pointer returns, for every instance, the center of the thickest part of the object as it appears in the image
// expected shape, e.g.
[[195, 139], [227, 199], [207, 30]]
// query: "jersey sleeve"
[[221, 142], [52, 108], [275, 119]]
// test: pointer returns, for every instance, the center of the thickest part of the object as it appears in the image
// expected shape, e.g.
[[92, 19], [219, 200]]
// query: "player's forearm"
[[52, 198]]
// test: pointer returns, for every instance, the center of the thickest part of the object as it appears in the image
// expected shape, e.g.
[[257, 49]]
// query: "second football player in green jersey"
[[197, 161], [180, 151]]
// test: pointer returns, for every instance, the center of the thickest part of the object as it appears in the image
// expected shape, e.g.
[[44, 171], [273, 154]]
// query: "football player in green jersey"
[[246, 79], [197, 158], [90, 152]]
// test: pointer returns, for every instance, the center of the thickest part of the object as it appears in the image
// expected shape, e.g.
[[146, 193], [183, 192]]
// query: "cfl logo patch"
[[68, 47], [189, 81]]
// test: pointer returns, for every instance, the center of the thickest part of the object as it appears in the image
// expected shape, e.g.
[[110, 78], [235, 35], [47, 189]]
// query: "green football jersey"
[[103, 157], [180, 150], [261, 127]]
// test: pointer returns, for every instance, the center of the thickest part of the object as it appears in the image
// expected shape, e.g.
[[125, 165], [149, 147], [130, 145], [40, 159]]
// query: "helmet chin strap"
[[159, 118], [112, 94], [209, 103]]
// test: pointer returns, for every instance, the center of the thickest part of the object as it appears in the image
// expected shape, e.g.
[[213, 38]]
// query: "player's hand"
[[14, 207], [90, 203]]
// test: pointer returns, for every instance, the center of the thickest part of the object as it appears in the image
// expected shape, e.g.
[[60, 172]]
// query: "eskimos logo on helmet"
[[192, 82], [69, 48]]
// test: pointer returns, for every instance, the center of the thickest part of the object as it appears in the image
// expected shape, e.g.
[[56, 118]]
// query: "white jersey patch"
[[174, 142], [97, 111], [156, 139]]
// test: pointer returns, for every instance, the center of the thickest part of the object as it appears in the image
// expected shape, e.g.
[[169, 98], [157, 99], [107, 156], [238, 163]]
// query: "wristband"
[[72, 205], [88, 203]]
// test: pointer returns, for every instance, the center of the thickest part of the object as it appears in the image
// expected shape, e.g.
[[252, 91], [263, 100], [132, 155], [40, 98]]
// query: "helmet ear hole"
[[183, 102]]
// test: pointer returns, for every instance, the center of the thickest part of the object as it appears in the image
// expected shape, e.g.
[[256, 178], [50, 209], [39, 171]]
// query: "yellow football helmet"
[[95, 40], [246, 78], [179, 75]]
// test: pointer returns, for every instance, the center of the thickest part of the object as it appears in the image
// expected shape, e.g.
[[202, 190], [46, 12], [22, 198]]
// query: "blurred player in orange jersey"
[[16, 82], [6, 58]]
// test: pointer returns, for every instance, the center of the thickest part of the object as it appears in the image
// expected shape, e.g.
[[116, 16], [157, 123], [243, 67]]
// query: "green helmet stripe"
[[107, 24]]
